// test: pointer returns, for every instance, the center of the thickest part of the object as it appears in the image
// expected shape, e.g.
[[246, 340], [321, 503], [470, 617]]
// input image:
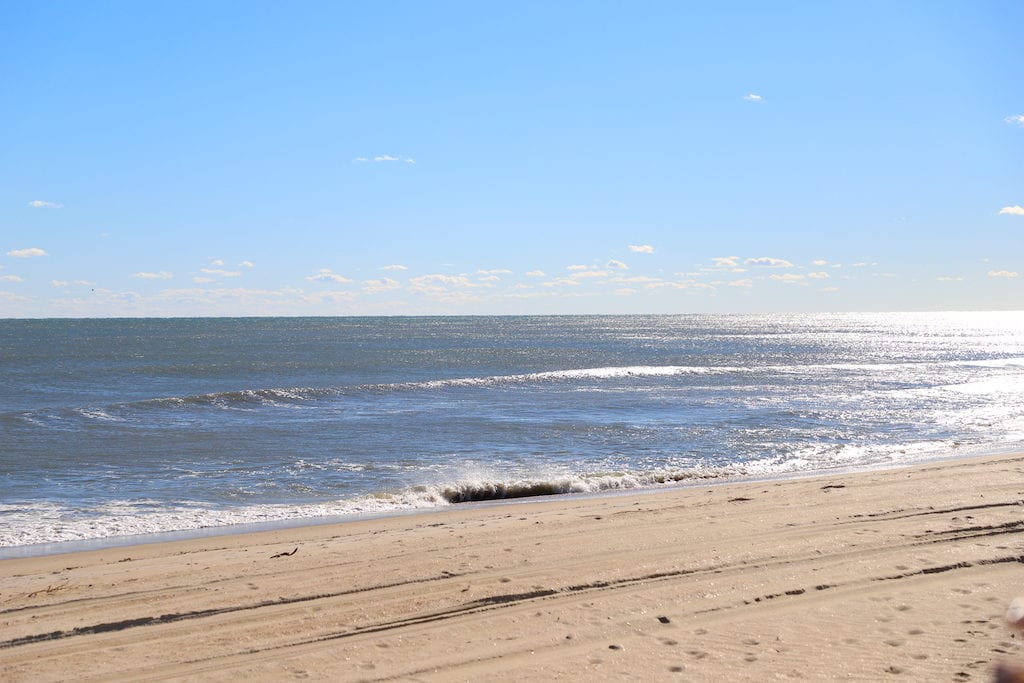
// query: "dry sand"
[[898, 574]]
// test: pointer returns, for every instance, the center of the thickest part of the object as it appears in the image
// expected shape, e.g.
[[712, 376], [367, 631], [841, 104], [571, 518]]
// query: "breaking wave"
[[41, 523]]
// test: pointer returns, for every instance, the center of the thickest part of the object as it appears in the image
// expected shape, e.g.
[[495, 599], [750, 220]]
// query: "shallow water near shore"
[[122, 427]]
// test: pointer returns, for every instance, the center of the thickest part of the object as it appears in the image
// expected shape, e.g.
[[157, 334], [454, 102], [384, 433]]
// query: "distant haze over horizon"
[[332, 159]]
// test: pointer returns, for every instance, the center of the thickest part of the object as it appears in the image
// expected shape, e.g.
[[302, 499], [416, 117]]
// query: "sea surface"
[[119, 427]]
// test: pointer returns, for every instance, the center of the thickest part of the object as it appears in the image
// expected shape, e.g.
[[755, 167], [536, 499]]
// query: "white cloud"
[[949, 278], [580, 274], [535, 273], [162, 275], [642, 248], [27, 253], [221, 272], [199, 280], [441, 279], [617, 265], [84, 283], [247, 264], [753, 98], [384, 284], [58, 283], [726, 261], [560, 282], [326, 275], [1017, 119], [445, 288], [395, 266], [689, 284], [819, 276], [378, 158], [489, 278], [216, 262], [790, 278], [42, 204], [635, 279], [1012, 211], [577, 267], [819, 262], [494, 271], [768, 262], [829, 289], [741, 283], [11, 278], [1003, 273]]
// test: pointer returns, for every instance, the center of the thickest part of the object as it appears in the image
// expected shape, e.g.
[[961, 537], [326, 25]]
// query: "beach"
[[898, 573]]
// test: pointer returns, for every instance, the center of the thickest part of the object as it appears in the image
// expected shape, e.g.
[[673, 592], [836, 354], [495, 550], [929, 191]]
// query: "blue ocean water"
[[116, 427]]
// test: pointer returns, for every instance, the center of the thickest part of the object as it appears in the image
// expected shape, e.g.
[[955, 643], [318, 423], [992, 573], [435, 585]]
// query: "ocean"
[[112, 428]]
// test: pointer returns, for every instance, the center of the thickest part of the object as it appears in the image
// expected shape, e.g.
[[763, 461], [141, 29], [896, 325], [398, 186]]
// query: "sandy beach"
[[902, 574]]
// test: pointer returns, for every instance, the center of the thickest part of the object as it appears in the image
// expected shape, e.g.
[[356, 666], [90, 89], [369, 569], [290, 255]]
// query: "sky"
[[441, 158]]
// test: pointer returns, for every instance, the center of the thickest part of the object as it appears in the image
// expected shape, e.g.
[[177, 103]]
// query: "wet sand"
[[901, 574]]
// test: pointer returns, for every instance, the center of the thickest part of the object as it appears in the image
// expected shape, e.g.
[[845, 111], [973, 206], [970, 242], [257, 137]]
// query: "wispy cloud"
[[742, 283], [162, 275], [535, 273], [1003, 273], [247, 264], [494, 271], [819, 262], [220, 272], [819, 276], [789, 278], [11, 278], [442, 279], [768, 262], [216, 262], [43, 204], [949, 278], [58, 283], [584, 274], [636, 279], [726, 261], [445, 288], [395, 266], [1016, 119], [577, 267], [326, 275], [384, 284], [379, 158], [753, 98], [27, 253], [641, 248], [617, 265], [1012, 211], [560, 282]]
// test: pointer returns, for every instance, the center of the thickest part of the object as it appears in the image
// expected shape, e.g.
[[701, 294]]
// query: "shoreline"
[[863, 574], [129, 540]]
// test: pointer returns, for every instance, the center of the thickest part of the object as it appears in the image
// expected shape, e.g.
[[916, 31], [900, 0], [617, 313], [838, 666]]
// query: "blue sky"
[[336, 158]]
